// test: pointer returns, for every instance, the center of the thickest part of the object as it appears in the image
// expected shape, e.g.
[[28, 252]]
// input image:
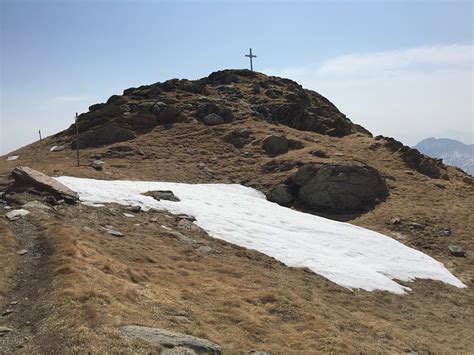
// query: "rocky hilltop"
[[121, 279]]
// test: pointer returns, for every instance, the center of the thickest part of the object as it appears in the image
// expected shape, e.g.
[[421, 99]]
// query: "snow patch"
[[350, 256], [12, 157]]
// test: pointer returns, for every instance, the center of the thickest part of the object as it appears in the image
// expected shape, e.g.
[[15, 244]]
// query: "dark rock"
[[456, 250], [218, 109], [275, 145], [170, 339], [294, 144], [117, 99], [319, 153], [170, 114], [238, 138], [25, 176], [281, 195], [162, 195], [213, 120], [96, 107], [338, 188], [103, 135]]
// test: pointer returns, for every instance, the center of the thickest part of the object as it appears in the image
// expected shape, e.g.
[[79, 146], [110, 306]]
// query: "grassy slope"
[[239, 298]]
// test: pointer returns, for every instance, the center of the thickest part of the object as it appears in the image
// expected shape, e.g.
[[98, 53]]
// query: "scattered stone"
[[7, 312], [419, 226], [171, 339], [57, 148], [135, 209], [281, 195], [98, 165], [275, 145], [16, 214], [294, 144], [469, 254], [129, 215], [319, 153], [115, 233], [395, 221], [22, 252], [12, 157], [13, 303], [25, 176], [162, 195], [239, 138], [213, 119], [5, 330], [446, 232], [204, 249], [186, 216], [456, 250], [441, 186], [408, 172]]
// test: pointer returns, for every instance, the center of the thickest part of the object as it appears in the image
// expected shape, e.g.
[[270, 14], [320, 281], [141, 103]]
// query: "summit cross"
[[251, 56]]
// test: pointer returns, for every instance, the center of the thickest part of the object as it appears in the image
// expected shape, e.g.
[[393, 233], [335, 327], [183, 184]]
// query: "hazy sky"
[[399, 68]]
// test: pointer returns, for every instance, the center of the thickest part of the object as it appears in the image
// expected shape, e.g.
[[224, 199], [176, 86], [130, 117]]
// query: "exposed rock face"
[[170, 339], [275, 145], [26, 177], [328, 188], [281, 194], [230, 94], [431, 167]]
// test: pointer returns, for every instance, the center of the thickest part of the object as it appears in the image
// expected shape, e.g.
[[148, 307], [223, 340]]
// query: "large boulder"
[[337, 188], [103, 135], [27, 177], [281, 194], [275, 145], [213, 120]]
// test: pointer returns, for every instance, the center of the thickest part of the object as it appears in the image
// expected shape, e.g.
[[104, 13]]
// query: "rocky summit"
[[102, 272]]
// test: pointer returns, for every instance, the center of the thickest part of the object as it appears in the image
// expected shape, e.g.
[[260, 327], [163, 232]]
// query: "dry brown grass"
[[8, 260], [239, 298]]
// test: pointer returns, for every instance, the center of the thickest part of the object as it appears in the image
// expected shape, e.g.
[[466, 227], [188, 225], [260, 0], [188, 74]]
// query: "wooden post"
[[77, 140], [39, 131]]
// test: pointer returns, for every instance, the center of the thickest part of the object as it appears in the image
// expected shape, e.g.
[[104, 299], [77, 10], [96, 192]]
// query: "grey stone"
[[275, 145], [172, 339], [98, 165], [213, 120], [25, 176], [16, 214], [115, 233], [22, 252], [319, 153], [395, 220], [281, 195], [36, 205], [456, 250], [419, 226], [162, 195]]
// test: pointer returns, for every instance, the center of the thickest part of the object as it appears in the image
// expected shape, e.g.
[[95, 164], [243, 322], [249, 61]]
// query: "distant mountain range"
[[451, 151]]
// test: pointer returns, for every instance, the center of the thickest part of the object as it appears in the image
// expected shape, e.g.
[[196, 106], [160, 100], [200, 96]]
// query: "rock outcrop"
[[331, 188], [28, 178]]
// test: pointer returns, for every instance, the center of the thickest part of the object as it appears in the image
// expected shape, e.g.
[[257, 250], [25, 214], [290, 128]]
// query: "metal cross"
[[251, 56]]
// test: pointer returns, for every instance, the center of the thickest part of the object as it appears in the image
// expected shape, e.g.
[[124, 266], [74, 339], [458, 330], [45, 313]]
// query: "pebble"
[[115, 233], [22, 252], [456, 250], [13, 303], [129, 215], [395, 220], [7, 312]]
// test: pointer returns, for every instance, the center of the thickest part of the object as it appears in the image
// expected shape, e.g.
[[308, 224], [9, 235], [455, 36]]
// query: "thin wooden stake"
[[77, 140]]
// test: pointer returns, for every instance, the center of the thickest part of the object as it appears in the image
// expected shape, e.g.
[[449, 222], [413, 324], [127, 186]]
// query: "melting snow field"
[[348, 255]]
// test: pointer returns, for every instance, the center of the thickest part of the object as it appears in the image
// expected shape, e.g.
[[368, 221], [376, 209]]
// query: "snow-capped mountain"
[[451, 151]]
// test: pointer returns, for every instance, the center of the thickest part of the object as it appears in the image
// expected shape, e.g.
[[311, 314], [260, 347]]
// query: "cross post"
[[251, 56]]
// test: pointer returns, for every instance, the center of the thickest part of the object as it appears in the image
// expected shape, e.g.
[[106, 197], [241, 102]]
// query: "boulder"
[[294, 144], [275, 145], [238, 138], [319, 153], [224, 112], [281, 195], [103, 135], [169, 115], [338, 188], [162, 195], [213, 120], [456, 250], [25, 176], [169, 339], [16, 214], [98, 165]]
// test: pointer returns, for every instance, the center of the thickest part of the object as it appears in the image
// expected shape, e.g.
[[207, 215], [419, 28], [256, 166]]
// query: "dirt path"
[[27, 308]]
